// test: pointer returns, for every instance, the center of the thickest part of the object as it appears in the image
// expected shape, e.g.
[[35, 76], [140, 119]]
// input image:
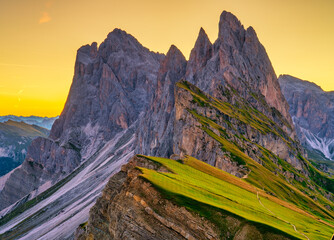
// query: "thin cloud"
[[44, 18]]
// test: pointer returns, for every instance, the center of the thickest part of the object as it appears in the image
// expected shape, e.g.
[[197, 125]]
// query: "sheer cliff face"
[[155, 133], [234, 69], [312, 111], [238, 59], [112, 85]]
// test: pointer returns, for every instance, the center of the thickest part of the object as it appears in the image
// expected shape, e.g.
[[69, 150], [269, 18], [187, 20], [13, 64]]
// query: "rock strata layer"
[[131, 208]]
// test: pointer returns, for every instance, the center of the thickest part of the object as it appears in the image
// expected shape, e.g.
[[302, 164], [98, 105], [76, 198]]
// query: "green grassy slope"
[[318, 159], [268, 171], [193, 180]]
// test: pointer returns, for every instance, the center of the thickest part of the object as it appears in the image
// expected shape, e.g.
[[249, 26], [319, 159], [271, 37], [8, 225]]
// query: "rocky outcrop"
[[155, 134], [234, 69], [190, 137], [131, 208], [112, 85], [238, 59], [312, 111]]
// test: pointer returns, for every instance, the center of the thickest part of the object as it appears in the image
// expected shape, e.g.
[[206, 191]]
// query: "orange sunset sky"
[[39, 39]]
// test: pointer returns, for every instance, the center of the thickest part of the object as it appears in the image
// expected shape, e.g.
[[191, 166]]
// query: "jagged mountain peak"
[[174, 60], [236, 58], [112, 85], [231, 30], [119, 41], [174, 54], [86, 53], [201, 52], [121, 35], [251, 36], [202, 37], [88, 48], [229, 20]]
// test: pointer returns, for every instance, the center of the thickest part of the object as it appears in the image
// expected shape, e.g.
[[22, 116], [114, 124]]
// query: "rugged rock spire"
[[111, 87], [231, 30], [155, 136], [200, 54], [238, 59]]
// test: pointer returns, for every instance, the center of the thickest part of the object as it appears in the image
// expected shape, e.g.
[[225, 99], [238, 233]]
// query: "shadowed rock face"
[[111, 86], [155, 134], [312, 111]]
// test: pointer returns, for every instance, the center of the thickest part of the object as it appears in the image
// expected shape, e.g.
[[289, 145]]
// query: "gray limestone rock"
[[312, 111], [112, 86], [155, 134]]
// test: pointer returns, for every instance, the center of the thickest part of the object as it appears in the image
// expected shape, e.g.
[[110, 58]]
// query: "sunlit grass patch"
[[193, 179]]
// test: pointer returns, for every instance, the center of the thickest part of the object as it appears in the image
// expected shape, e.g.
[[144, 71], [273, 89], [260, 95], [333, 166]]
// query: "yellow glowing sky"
[[39, 39]]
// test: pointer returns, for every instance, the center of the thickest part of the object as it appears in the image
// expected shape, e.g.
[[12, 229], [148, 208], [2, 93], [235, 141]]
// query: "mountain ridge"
[[45, 122], [228, 111]]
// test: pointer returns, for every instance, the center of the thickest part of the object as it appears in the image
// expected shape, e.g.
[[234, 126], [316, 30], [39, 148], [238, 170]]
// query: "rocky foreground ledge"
[[132, 208]]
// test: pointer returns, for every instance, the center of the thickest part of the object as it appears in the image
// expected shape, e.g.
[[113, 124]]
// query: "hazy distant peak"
[[44, 122], [298, 83]]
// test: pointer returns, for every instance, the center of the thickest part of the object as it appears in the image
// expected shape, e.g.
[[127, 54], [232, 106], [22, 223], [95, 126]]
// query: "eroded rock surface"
[[131, 208], [312, 111], [112, 86]]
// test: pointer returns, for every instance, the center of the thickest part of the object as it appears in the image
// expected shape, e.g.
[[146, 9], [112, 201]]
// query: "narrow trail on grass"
[[246, 176], [294, 227]]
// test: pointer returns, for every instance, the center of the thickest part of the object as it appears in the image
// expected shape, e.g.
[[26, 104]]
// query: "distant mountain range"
[[44, 122], [15, 138]]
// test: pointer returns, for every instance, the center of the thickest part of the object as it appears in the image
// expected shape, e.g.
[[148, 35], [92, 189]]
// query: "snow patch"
[[324, 145]]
